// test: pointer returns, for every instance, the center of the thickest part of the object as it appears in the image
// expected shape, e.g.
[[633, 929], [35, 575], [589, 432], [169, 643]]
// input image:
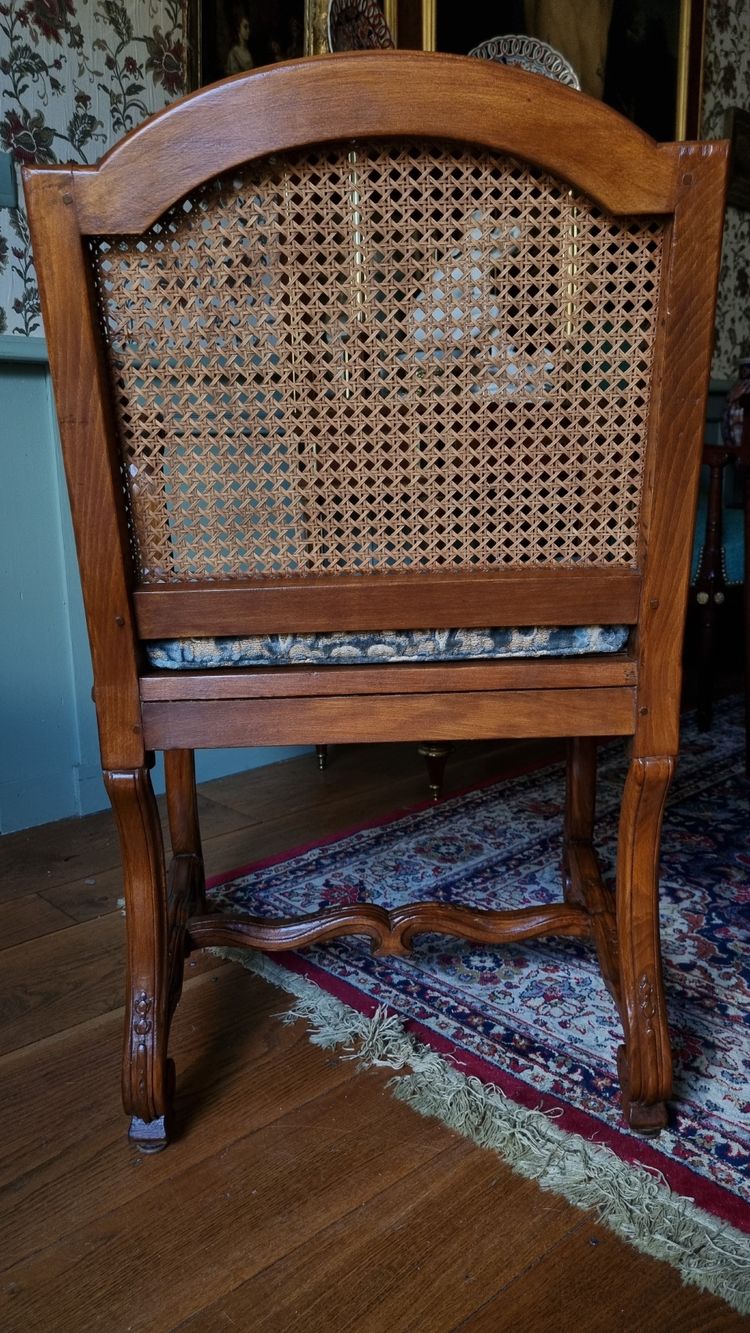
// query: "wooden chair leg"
[[746, 597], [147, 1075], [706, 616], [182, 814], [645, 1061], [436, 753], [580, 803], [709, 585]]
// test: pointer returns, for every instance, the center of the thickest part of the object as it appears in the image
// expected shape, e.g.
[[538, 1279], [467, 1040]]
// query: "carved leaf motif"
[[647, 1003], [142, 1007]]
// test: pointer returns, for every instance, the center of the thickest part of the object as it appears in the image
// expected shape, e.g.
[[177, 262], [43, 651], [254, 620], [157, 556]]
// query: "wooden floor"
[[299, 1194]]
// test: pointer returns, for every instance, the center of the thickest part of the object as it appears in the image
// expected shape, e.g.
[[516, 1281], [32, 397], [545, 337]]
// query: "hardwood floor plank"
[[587, 1282], [29, 918], [38, 858], [375, 1267], [239, 1070], [41, 860], [60, 980], [214, 1222], [85, 899], [389, 775], [101, 891]]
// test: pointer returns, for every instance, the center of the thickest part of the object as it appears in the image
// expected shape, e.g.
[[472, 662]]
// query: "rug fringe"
[[631, 1200]]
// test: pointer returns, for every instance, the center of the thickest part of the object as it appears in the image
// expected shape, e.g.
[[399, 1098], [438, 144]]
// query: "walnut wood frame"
[[636, 694]]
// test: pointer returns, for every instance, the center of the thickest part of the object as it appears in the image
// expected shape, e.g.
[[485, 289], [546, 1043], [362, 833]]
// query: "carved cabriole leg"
[[580, 800], [147, 1076], [645, 1062]]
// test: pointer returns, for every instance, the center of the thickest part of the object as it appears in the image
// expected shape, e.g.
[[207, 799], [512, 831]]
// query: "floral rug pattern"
[[536, 1019]]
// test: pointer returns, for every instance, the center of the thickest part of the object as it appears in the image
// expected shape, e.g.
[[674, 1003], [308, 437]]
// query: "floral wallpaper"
[[726, 83], [76, 74]]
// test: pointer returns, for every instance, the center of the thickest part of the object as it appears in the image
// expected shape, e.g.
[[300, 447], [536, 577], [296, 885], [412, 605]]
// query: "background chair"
[[440, 481], [720, 555]]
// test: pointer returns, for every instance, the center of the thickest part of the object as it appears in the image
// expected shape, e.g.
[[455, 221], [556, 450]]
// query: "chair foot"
[[152, 1136], [643, 1119], [148, 1136]]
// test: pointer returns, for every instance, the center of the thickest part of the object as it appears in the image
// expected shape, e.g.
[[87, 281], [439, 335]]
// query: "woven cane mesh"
[[396, 356]]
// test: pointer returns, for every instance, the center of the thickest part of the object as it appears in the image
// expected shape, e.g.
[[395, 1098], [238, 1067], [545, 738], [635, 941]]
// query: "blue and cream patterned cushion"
[[352, 649]]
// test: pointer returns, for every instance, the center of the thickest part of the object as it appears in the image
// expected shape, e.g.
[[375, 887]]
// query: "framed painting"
[[642, 57], [737, 129], [226, 37]]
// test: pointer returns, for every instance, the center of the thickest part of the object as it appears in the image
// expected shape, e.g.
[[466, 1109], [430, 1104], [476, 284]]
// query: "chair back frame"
[[361, 95], [360, 98]]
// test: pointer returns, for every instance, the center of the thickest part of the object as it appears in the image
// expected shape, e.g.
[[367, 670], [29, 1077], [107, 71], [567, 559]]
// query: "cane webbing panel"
[[396, 356]]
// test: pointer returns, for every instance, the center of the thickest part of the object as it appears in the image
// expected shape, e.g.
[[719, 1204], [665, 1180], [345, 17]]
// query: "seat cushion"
[[351, 649]]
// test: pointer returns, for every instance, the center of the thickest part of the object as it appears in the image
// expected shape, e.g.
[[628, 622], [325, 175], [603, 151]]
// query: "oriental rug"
[[516, 1047]]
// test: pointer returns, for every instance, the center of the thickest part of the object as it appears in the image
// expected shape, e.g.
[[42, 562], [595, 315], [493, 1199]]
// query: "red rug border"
[[714, 1199]]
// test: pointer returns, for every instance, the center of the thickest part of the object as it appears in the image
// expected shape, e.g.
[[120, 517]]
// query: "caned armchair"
[[435, 475]]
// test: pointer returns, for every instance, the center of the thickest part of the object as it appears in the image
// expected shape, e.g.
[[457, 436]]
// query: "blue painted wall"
[[49, 756]]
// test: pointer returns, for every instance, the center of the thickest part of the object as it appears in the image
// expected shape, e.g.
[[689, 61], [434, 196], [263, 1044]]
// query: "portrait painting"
[[231, 36]]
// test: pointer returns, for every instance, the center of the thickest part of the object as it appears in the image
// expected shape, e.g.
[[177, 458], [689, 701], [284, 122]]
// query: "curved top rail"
[[371, 94]]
